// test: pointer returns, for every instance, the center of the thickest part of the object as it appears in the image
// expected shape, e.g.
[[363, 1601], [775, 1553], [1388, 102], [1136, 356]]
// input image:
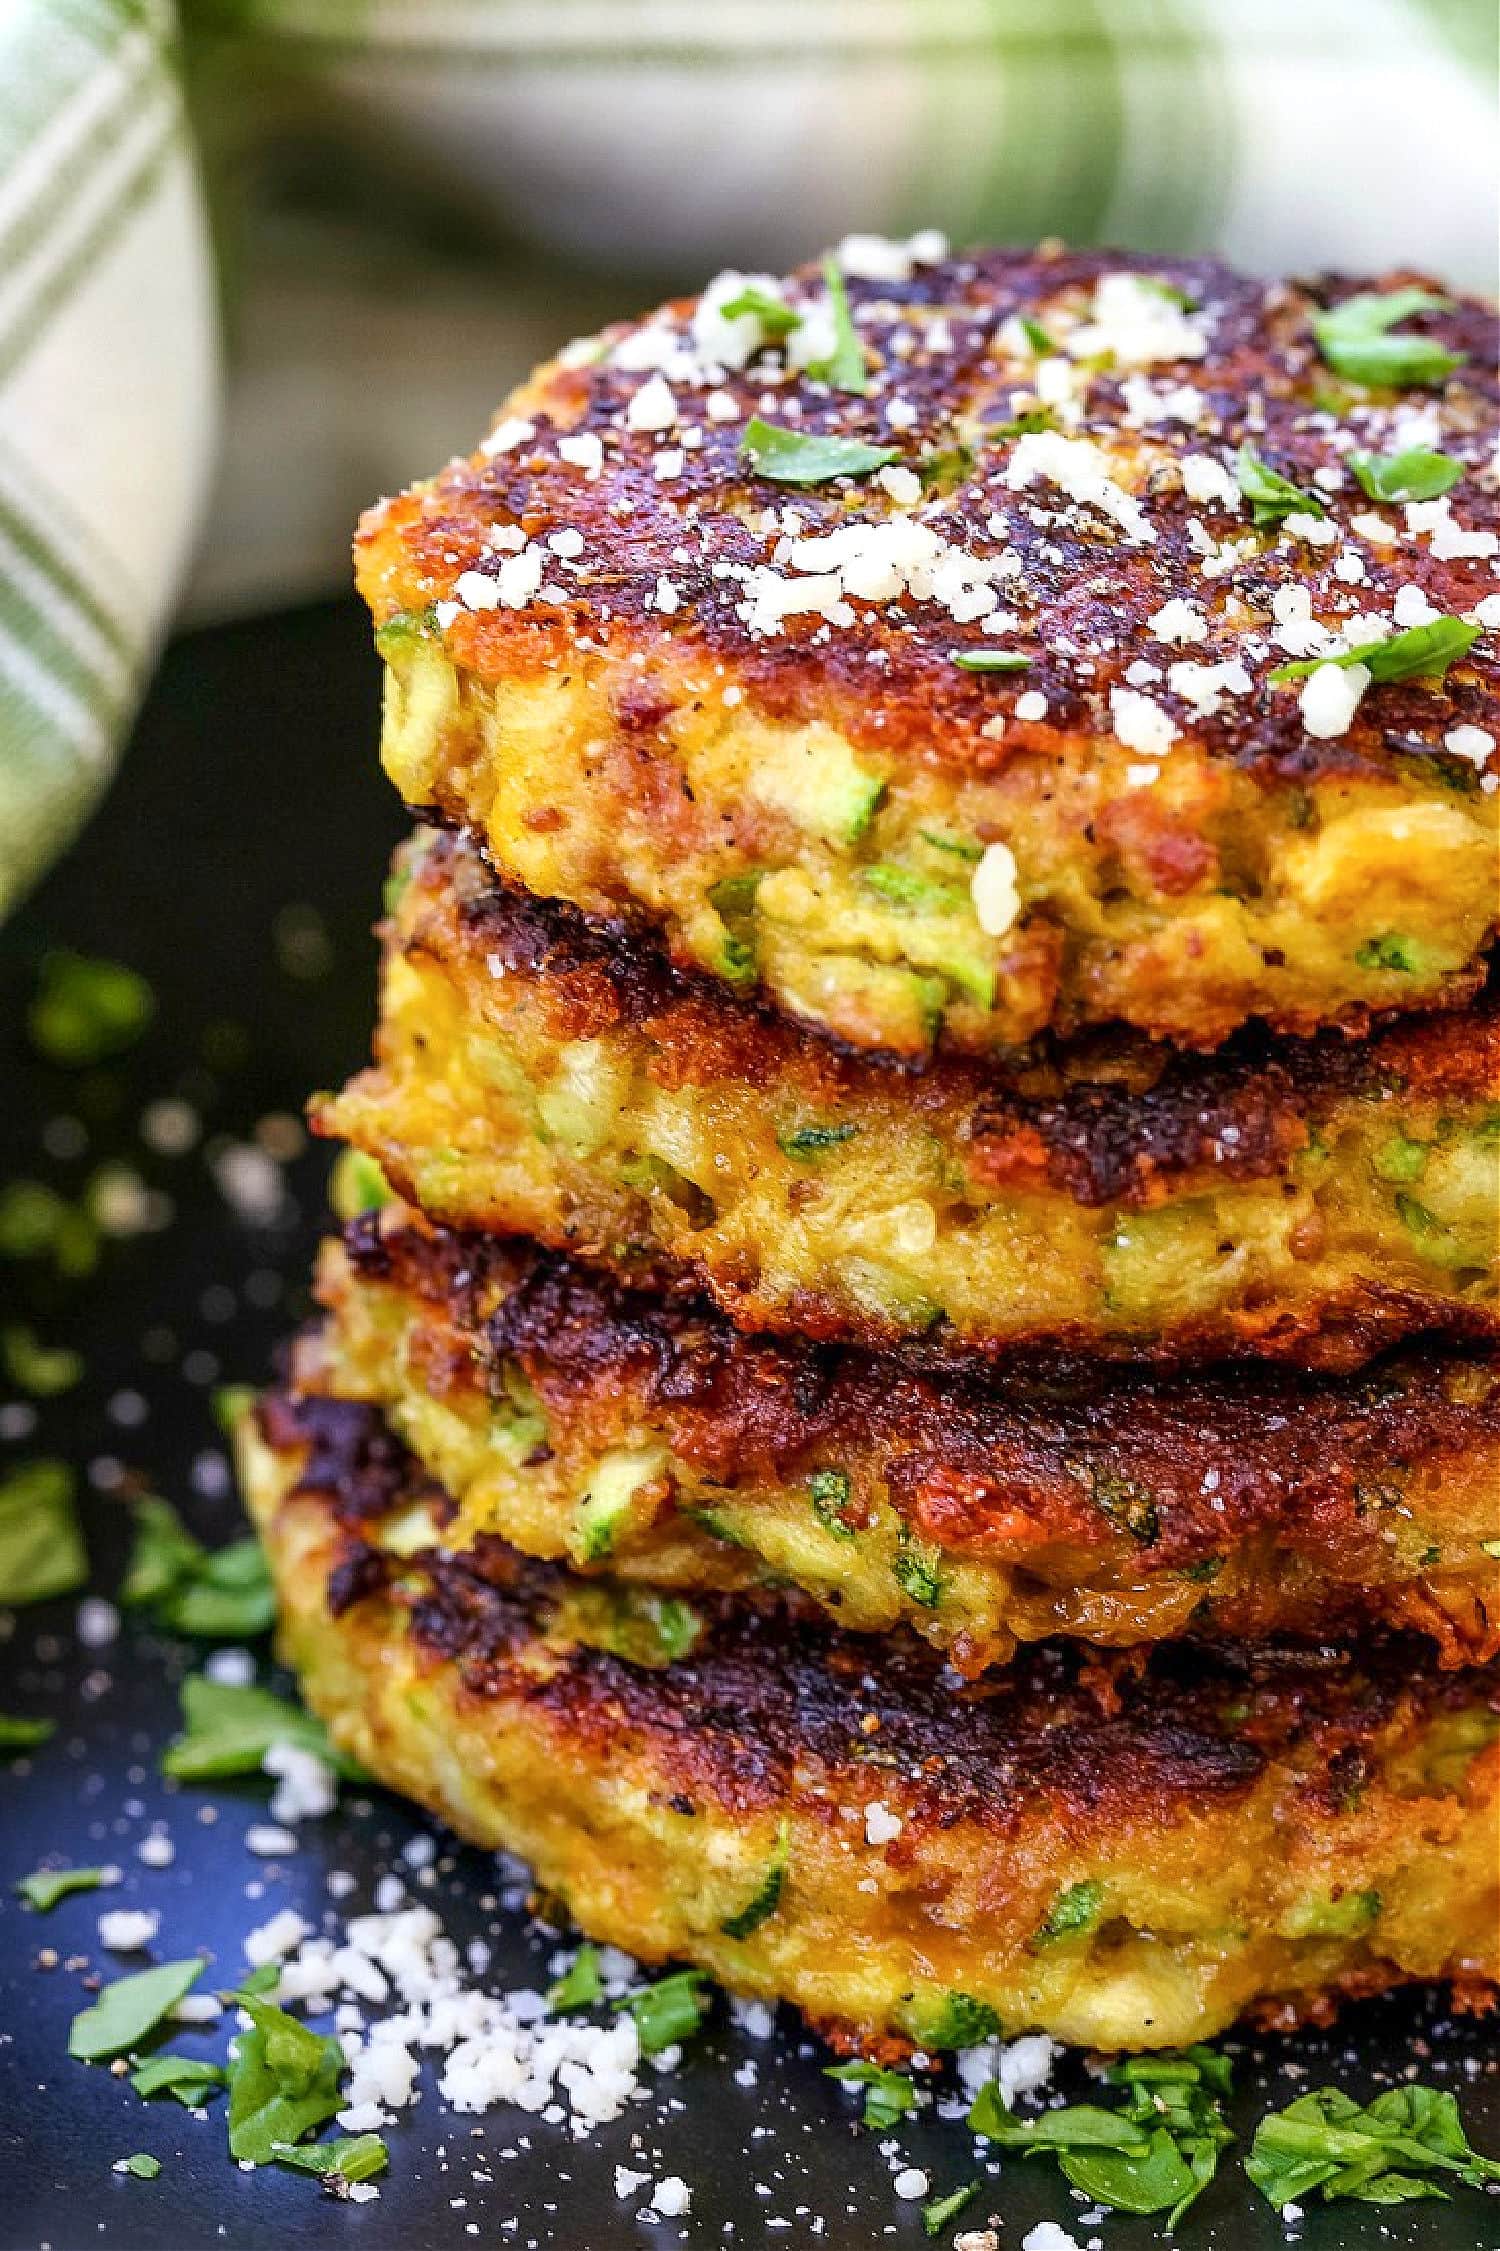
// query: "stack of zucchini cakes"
[[907, 1405]]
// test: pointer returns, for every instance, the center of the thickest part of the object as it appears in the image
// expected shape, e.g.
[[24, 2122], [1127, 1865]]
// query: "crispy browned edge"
[[975, 1464], [1115, 1119], [1145, 1122], [771, 1686]]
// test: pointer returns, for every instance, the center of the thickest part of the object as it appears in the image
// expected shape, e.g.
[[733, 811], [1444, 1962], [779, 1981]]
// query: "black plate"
[[251, 796]]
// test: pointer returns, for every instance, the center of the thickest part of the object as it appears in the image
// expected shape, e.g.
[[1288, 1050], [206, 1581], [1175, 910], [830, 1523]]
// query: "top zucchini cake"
[[957, 647]]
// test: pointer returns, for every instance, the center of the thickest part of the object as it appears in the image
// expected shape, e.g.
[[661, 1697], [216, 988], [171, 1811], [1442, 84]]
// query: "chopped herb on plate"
[[777, 319], [228, 1730], [41, 1548], [353, 2157], [189, 2078], [17, 1734], [669, 2011], [221, 1594], [580, 1985], [40, 1370], [43, 1889], [1384, 2153], [283, 2081], [889, 2095], [944, 2210], [1156, 2153], [86, 1011], [126, 2011]]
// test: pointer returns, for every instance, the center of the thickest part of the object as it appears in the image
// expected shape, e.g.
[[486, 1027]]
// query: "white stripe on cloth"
[[81, 727]]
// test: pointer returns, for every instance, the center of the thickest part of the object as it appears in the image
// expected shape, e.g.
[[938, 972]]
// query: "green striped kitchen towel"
[[108, 351], [623, 145]]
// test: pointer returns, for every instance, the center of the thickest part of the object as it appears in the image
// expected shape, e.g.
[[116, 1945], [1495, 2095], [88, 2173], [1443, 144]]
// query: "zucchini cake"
[[951, 648], [1119, 1851], [541, 1074], [646, 1437]]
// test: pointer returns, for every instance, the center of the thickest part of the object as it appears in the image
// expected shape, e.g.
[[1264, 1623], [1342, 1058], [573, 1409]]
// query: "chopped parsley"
[[766, 1898], [283, 2081], [43, 1889], [141, 2167], [228, 1730], [1415, 474], [35, 1222], [189, 2078], [1360, 340], [669, 2011], [126, 2011], [41, 1370], [87, 1011], [1421, 652], [41, 1548], [580, 1985], [990, 660], [1156, 2153], [1037, 337], [1384, 2153], [776, 318], [351, 2157], [221, 1594], [1272, 497], [17, 1734], [844, 369], [801, 457], [944, 2210], [889, 2095]]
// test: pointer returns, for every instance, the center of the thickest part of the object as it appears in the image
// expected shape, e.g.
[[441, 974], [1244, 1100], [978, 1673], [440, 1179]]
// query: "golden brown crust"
[[654, 677], [1093, 594], [1240, 1505], [1116, 1120], [1110, 1197], [770, 1686], [1253, 1829]]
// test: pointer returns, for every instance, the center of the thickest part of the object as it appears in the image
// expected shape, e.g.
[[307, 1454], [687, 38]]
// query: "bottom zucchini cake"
[[1118, 1850]]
